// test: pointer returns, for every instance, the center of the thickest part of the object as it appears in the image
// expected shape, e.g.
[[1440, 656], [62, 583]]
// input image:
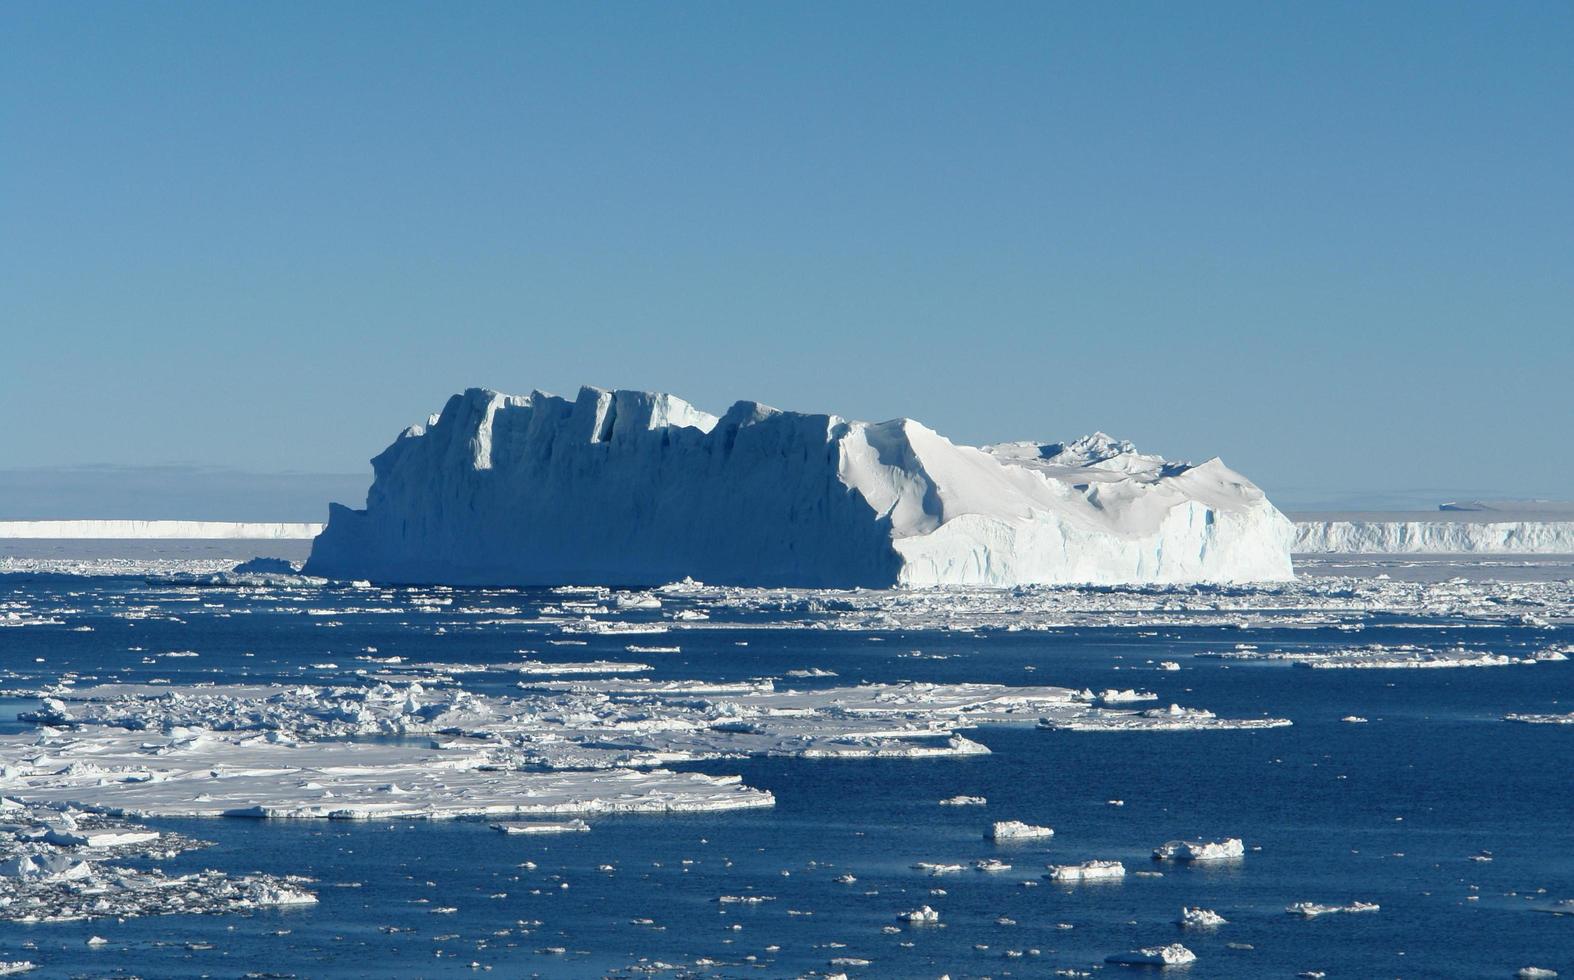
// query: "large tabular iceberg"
[[634, 488]]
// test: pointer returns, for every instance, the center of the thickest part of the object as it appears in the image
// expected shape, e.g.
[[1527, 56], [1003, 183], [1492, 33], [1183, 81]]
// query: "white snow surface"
[[1086, 871], [1017, 830], [631, 488], [164, 530], [1184, 851], [1434, 537]]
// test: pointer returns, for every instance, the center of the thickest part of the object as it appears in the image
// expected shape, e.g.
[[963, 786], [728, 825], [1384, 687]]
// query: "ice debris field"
[[701, 780]]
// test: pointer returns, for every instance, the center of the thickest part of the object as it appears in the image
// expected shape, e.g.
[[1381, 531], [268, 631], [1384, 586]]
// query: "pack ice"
[[633, 488]]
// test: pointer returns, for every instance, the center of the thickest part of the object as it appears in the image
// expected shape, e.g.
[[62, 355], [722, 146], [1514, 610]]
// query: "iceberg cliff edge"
[[638, 488]]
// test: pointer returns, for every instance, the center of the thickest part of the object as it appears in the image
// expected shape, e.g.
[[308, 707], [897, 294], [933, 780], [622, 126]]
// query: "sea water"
[[1459, 825]]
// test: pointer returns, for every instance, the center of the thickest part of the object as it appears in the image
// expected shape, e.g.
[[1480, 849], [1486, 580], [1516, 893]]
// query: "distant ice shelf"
[[639, 488], [1434, 537], [160, 530]]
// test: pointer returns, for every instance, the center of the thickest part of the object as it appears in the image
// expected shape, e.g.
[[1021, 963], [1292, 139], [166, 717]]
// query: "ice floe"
[[1086, 871], [1310, 910], [1009, 830], [57, 865], [1185, 851], [1172, 955], [1195, 918], [1379, 657], [963, 801]]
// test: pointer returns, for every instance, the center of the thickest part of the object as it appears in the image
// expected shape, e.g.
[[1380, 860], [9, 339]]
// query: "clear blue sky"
[[1333, 243]]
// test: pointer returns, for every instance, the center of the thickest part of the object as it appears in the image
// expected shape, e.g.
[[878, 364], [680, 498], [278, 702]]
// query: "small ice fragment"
[[1312, 909], [1172, 955], [937, 869], [963, 801], [1017, 830], [1191, 918], [1353, 720], [919, 917]]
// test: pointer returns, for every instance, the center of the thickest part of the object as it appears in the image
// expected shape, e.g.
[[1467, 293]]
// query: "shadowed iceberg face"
[[635, 488]]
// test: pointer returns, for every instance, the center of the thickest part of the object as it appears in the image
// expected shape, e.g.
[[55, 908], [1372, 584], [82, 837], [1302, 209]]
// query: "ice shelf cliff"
[[634, 488], [1435, 537]]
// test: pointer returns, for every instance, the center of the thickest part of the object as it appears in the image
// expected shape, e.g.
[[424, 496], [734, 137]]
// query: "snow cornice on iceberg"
[[637, 488]]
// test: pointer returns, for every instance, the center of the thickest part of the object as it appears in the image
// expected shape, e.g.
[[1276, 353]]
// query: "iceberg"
[[1086, 871], [1172, 955], [639, 488], [1016, 830], [1187, 851]]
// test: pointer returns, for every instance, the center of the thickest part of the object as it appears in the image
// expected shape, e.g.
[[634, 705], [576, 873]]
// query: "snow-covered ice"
[[963, 801], [59, 865], [1172, 955], [1086, 871], [1195, 918], [1008, 830], [1309, 910], [1434, 537], [1398, 657], [1185, 851], [633, 487]]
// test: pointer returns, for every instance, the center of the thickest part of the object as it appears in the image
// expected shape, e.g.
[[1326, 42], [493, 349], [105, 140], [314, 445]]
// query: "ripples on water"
[[1397, 811]]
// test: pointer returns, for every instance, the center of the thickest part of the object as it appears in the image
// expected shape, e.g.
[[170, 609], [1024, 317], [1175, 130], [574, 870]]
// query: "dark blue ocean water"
[[1388, 812]]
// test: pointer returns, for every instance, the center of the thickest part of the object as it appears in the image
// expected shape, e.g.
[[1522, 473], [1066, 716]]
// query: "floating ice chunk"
[[1380, 657], [542, 827], [1191, 918], [991, 865], [1017, 830], [1181, 850], [272, 893], [1086, 871], [963, 801], [1172, 719], [11, 967], [102, 837], [1127, 696], [921, 916], [95, 941], [1312, 909], [1169, 665], [1353, 720], [933, 868], [1533, 719], [1535, 973], [45, 867], [745, 899], [1172, 955]]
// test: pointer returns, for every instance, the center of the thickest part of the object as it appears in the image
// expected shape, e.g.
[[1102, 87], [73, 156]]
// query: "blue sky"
[[1329, 242]]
